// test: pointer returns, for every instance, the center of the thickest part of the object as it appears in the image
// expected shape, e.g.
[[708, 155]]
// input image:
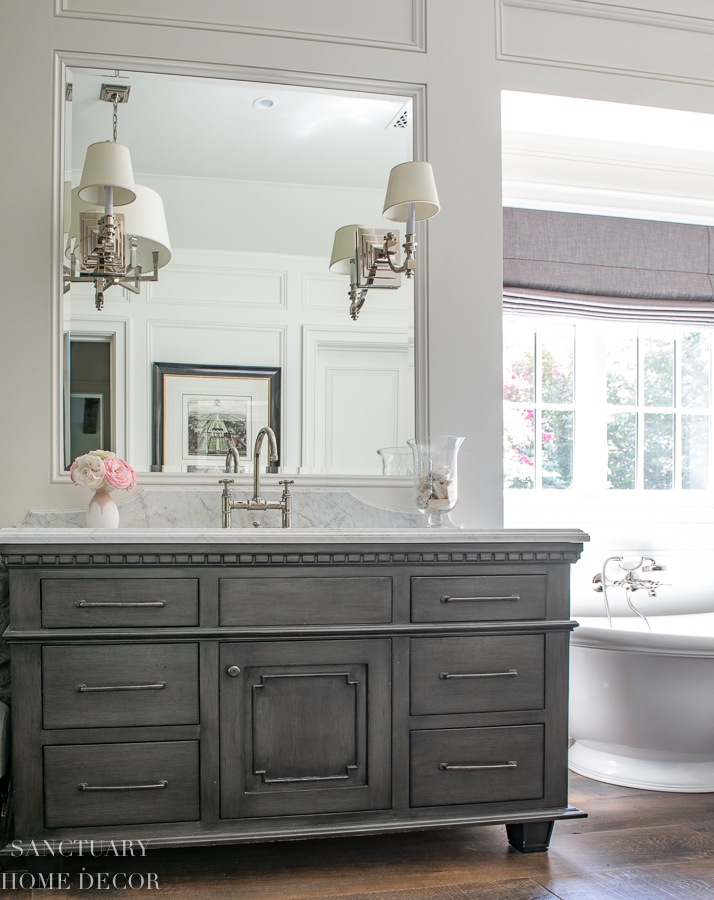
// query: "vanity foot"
[[530, 837]]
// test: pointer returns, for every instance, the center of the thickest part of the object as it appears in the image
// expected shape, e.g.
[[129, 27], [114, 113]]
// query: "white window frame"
[[591, 412]]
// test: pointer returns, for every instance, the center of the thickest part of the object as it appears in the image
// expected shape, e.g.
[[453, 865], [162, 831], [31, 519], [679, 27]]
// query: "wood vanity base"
[[201, 694]]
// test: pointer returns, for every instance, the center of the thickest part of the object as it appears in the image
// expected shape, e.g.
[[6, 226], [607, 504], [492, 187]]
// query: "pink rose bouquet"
[[102, 469]]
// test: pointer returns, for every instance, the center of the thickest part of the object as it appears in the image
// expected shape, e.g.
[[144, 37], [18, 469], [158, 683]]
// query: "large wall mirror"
[[245, 325]]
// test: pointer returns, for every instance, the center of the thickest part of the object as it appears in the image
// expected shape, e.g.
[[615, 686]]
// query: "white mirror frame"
[[64, 60]]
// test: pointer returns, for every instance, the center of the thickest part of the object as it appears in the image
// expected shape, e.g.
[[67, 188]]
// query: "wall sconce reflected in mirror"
[[108, 248], [371, 256]]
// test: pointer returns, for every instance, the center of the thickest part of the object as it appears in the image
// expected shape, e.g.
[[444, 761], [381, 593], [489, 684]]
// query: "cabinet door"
[[305, 727]]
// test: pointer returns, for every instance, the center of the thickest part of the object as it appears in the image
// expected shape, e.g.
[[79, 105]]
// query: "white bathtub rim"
[[643, 774], [643, 642]]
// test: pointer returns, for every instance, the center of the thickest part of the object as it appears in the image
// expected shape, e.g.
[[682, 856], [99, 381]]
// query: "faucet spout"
[[273, 453], [232, 457]]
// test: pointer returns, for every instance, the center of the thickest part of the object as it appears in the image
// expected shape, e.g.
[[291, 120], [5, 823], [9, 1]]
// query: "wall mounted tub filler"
[[257, 503], [630, 582]]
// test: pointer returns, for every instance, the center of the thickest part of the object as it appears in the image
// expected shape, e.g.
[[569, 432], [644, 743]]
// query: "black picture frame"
[[161, 370]]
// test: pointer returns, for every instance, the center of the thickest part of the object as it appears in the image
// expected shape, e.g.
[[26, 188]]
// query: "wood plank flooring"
[[636, 845]]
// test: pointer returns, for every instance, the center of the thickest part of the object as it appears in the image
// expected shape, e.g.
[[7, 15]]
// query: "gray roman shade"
[[607, 267]]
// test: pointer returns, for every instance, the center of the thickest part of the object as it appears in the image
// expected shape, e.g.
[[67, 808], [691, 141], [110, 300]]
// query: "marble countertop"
[[235, 536]]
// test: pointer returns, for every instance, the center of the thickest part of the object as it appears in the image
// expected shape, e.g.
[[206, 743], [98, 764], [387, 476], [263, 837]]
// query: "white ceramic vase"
[[102, 511]]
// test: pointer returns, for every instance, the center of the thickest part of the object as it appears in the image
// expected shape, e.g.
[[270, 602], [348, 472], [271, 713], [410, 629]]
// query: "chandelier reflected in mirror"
[[104, 247]]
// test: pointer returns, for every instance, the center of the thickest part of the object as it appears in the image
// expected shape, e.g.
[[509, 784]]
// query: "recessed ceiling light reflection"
[[265, 103]]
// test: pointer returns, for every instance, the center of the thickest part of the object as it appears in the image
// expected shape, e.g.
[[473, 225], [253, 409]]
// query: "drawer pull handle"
[[476, 599], [83, 689], [84, 604], [480, 674], [233, 671], [445, 767], [123, 787]]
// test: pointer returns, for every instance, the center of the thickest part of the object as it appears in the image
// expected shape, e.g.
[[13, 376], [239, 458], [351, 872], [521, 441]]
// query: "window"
[[538, 391], [606, 405]]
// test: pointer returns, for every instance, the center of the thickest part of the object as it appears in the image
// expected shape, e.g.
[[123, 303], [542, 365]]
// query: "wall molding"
[[559, 53], [317, 339], [620, 13], [416, 44], [202, 270], [604, 202], [615, 161], [569, 195]]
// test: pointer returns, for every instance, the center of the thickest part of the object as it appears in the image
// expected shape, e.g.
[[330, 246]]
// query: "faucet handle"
[[286, 483], [225, 482]]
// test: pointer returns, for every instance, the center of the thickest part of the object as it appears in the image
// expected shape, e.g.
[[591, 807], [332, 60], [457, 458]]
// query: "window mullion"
[[677, 411], [640, 420]]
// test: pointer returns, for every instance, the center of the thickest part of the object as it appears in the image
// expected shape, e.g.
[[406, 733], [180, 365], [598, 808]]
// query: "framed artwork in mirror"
[[202, 411]]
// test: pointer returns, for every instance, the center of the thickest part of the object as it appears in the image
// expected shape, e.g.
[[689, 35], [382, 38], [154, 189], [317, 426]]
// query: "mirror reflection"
[[227, 317]]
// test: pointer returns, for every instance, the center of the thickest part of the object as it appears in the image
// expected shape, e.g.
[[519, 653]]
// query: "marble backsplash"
[[200, 508]]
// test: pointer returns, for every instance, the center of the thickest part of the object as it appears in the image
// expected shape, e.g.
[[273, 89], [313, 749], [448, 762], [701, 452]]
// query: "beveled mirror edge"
[[417, 92]]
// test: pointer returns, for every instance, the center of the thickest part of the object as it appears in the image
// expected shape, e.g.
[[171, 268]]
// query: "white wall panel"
[[353, 376], [396, 24], [602, 38], [361, 407], [218, 278]]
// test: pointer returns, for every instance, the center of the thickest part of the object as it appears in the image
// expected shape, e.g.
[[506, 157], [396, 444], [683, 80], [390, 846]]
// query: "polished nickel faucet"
[[257, 503], [232, 456]]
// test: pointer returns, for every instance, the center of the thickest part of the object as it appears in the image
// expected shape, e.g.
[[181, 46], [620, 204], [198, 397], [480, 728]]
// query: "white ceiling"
[[605, 121], [206, 127]]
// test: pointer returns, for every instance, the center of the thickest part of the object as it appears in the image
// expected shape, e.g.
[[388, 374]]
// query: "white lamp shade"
[[343, 249], [107, 164], [143, 219], [411, 182]]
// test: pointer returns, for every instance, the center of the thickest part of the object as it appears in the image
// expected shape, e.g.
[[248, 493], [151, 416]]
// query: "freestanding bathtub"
[[642, 704]]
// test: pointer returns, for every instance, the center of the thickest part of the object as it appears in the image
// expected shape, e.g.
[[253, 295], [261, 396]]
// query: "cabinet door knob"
[[234, 671]]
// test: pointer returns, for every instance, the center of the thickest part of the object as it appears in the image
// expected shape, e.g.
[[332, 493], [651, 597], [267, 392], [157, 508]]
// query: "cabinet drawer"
[[488, 673], [475, 598], [123, 602], [121, 784], [102, 685], [476, 765], [305, 601]]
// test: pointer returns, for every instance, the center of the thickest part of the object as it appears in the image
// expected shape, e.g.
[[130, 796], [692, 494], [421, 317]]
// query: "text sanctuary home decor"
[[200, 412]]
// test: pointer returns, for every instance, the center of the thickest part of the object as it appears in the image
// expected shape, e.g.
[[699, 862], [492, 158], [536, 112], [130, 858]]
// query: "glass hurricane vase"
[[435, 491]]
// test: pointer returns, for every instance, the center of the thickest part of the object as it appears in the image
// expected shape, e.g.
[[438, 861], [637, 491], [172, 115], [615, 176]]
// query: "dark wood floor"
[[636, 845]]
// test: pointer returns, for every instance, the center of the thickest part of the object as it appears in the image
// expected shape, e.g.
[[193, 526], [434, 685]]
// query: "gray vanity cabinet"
[[189, 694]]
